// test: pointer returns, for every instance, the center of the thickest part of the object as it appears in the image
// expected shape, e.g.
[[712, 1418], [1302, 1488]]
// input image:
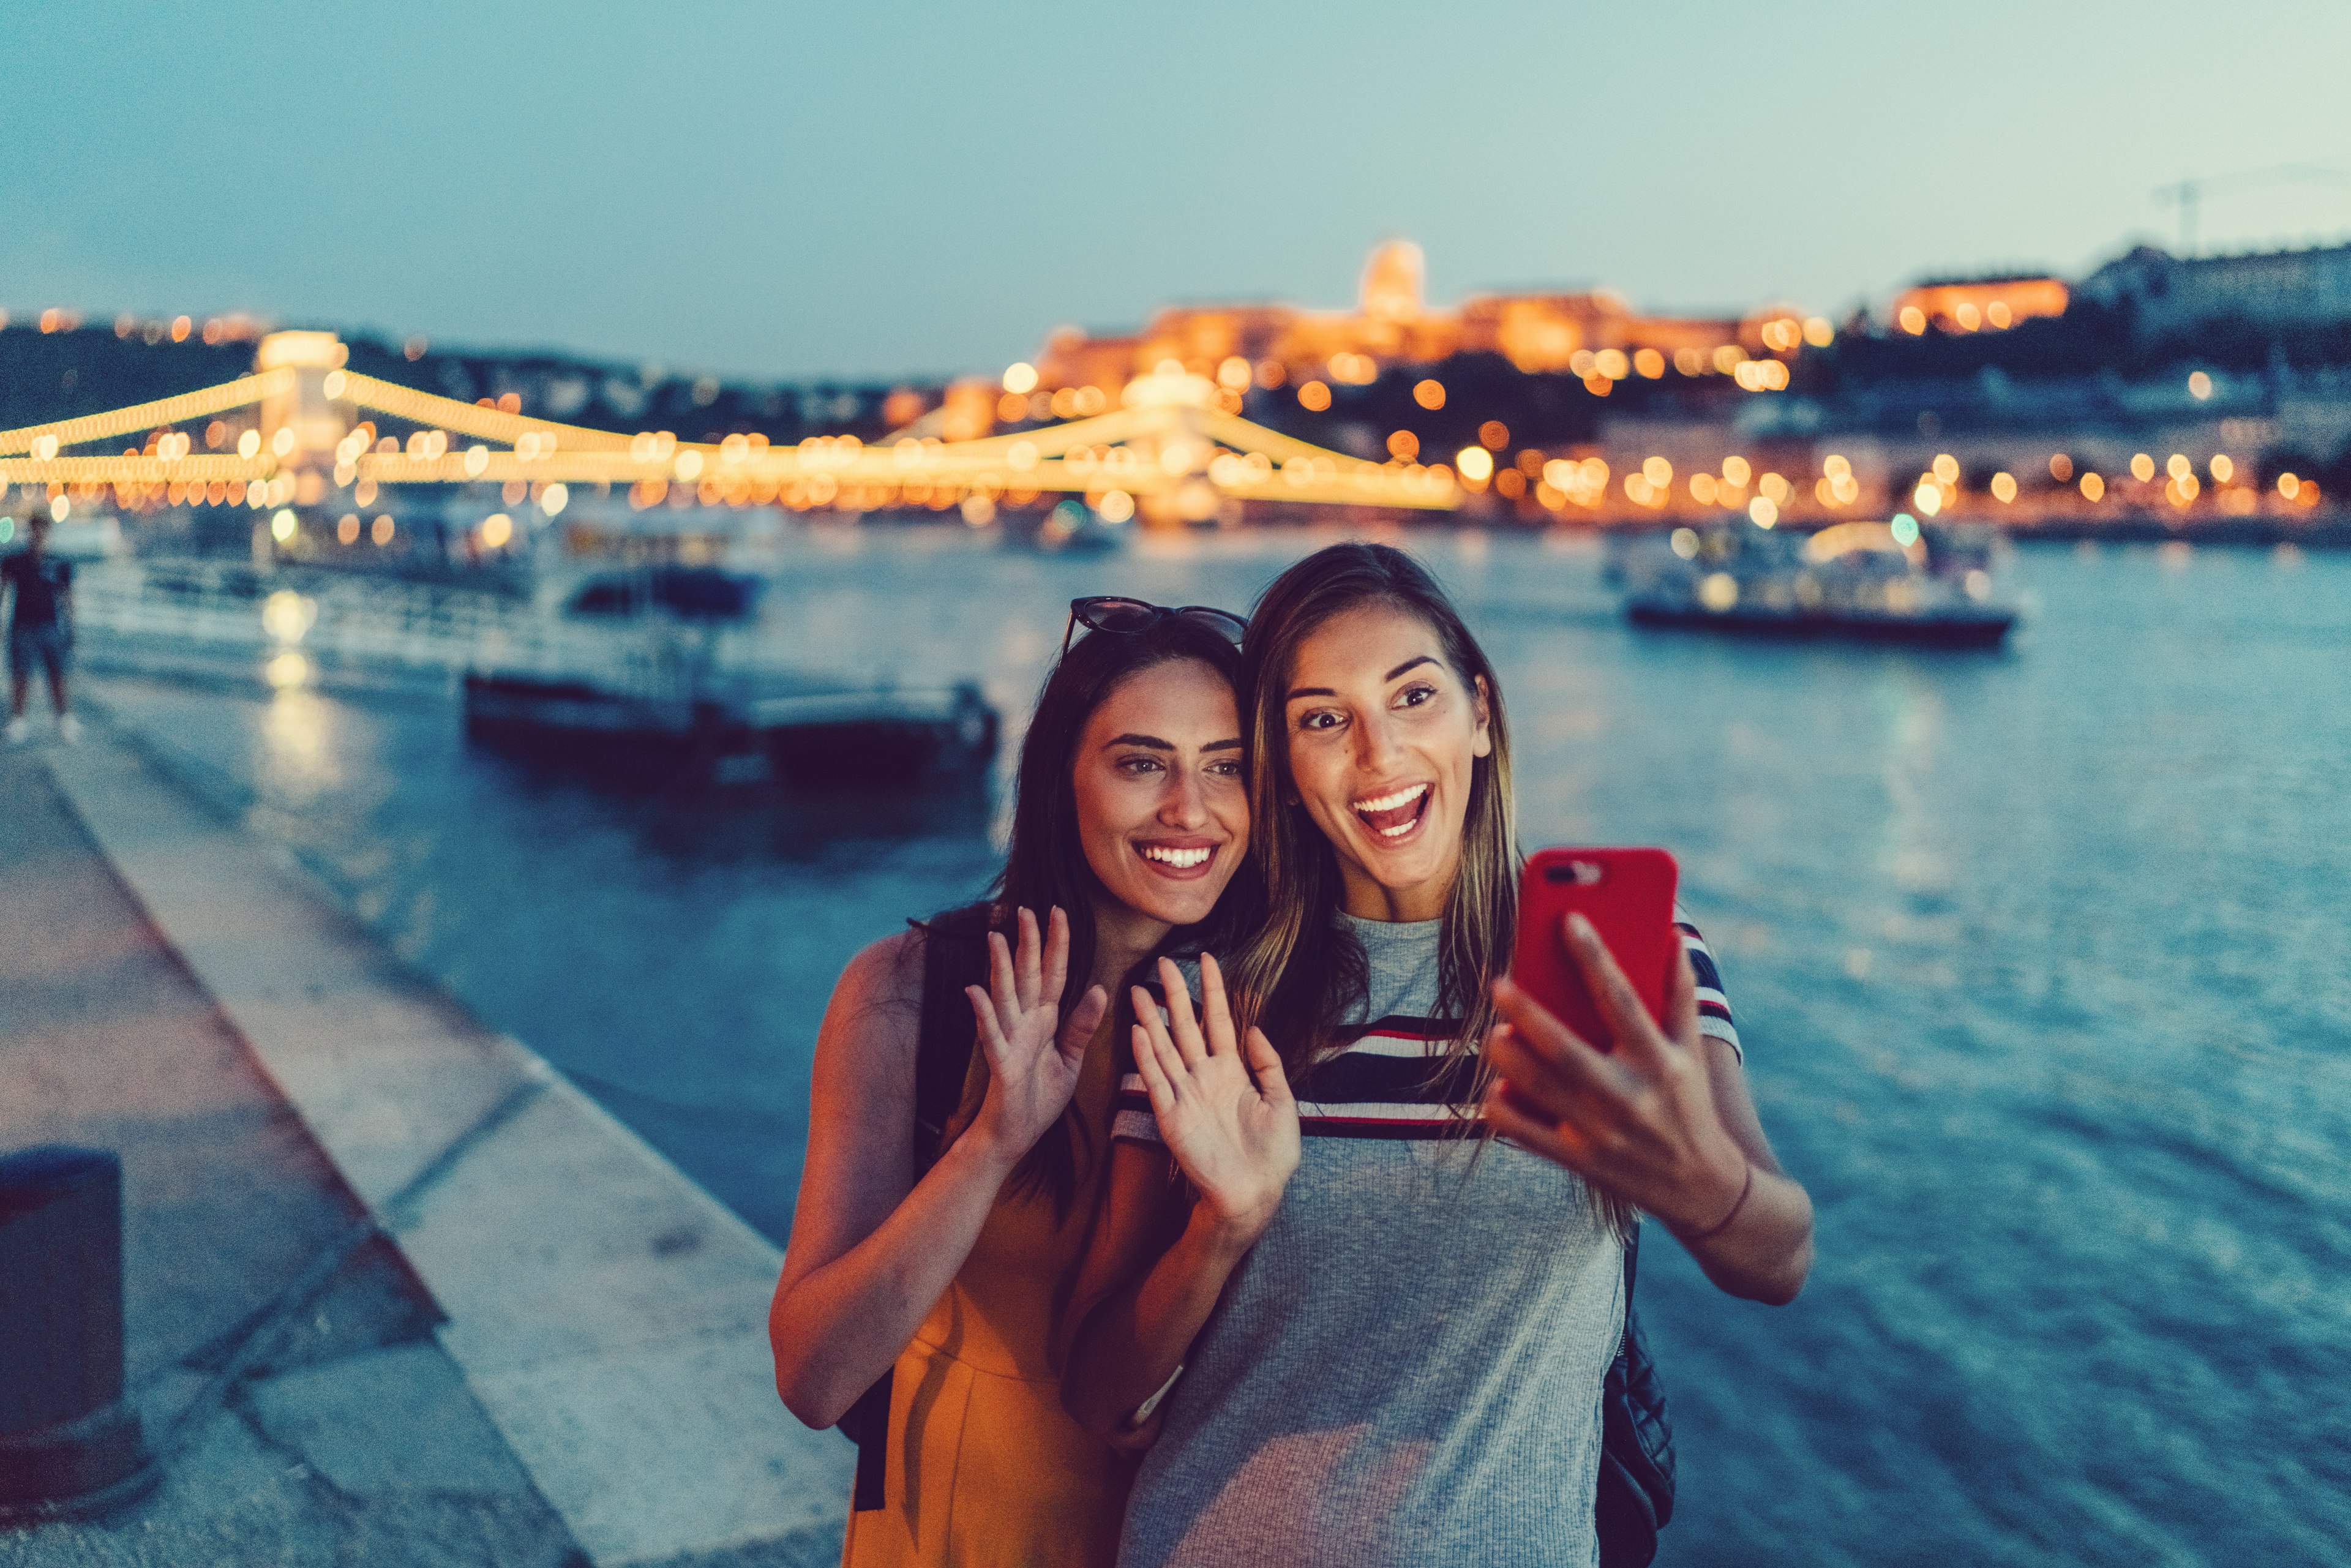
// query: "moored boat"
[[1887, 582]]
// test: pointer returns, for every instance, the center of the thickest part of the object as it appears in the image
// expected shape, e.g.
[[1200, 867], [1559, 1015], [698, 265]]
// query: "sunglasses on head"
[[1109, 612]]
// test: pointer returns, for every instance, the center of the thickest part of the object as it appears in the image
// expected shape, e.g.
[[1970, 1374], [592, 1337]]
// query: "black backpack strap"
[[1636, 1497], [954, 954]]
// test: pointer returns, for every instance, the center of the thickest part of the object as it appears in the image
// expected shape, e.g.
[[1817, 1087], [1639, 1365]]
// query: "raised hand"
[[1033, 1058], [1224, 1106], [1638, 1122]]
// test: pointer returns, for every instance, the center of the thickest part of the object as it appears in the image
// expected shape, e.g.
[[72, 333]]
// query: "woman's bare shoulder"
[[874, 1019], [886, 972]]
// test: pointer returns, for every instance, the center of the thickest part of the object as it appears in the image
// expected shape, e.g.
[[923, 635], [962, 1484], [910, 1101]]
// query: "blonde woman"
[[1392, 1332]]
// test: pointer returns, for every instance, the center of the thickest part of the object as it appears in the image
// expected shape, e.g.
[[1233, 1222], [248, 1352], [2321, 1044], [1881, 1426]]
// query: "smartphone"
[[1628, 896]]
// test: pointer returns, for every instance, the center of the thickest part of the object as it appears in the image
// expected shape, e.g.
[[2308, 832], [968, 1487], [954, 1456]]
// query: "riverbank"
[[397, 1291]]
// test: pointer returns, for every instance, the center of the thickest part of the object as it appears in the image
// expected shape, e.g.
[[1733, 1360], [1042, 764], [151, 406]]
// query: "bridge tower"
[[301, 426]]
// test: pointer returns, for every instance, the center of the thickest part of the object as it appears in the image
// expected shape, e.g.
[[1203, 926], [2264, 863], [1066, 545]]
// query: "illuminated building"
[[1979, 304], [1536, 332]]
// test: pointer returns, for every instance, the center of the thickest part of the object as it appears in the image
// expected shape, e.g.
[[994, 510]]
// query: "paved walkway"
[[396, 1293]]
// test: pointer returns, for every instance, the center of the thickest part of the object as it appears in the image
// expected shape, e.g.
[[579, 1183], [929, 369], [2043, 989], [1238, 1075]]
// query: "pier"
[[398, 1291]]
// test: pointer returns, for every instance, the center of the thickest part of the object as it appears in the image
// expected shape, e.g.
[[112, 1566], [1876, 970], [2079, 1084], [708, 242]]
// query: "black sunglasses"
[[1109, 612]]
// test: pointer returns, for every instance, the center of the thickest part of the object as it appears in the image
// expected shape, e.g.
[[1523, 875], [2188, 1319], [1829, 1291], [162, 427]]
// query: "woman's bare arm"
[[871, 1248], [1663, 1121], [1160, 1256], [1158, 1263]]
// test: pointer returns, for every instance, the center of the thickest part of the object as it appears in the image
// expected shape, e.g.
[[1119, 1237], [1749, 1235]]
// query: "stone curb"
[[609, 1314]]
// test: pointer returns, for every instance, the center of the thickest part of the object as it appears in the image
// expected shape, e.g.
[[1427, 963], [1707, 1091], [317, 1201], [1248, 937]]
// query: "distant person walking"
[[39, 588]]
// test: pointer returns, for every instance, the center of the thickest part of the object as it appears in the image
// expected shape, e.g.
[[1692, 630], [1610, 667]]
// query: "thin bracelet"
[[1720, 1226]]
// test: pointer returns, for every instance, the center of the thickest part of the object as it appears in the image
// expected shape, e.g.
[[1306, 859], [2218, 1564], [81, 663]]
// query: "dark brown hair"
[[1045, 865]]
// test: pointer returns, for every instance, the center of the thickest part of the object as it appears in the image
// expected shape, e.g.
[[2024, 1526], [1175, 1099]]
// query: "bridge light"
[[1429, 394], [1021, 379], [1474, 463], [249, 446]]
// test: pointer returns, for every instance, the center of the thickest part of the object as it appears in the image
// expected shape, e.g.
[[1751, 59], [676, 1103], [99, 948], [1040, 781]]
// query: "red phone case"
[[1628, 896]]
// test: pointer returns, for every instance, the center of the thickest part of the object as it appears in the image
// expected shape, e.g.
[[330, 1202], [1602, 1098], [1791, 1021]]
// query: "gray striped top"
[[1406, 1368]]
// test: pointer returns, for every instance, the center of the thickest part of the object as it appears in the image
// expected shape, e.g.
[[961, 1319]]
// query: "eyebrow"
[[1153, 743], [1415, 660]]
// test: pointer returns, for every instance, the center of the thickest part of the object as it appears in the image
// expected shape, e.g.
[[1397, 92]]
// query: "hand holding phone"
[[1627, 894]]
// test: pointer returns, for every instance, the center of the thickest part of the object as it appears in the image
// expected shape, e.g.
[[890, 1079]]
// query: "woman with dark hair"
[[1397, 1325], [937, 1233]]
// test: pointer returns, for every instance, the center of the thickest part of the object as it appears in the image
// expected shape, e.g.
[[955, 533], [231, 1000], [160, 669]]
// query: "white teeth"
[[1182, 860], [1400, 829], [1390, 802]]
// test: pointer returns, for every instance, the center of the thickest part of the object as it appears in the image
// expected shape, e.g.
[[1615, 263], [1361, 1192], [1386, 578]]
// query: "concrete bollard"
[[70, 1442]]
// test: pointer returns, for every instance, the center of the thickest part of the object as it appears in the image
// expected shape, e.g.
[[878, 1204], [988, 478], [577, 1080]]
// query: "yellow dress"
[[985, 1467]]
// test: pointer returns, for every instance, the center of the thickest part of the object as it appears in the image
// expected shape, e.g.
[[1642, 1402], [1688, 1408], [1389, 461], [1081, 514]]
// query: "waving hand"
[[1224, 1105], [1033, 1058]]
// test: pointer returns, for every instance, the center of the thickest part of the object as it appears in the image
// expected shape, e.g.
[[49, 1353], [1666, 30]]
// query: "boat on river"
[[799, 732], [662, 688], [1883, 582]]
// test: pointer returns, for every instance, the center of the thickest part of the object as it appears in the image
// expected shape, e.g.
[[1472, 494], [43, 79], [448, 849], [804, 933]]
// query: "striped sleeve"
[[1131, 1116], [1714, 1016]]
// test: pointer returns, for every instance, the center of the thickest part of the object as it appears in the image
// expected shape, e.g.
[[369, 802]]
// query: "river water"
[[2040, 957]]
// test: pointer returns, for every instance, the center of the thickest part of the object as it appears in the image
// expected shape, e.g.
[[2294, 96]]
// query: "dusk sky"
[[784, 192]]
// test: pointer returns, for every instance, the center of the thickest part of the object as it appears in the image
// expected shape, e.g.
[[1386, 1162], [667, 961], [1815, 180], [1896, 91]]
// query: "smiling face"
[[1383, 736], [1162, 803]]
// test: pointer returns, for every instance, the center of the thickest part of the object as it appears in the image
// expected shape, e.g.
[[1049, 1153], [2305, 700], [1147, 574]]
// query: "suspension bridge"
[[316, 436]]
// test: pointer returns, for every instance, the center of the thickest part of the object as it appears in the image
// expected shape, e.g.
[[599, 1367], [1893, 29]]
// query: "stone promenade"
[[397, 1292]]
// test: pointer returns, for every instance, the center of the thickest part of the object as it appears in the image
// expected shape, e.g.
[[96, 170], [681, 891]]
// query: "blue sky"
[[781, 190]]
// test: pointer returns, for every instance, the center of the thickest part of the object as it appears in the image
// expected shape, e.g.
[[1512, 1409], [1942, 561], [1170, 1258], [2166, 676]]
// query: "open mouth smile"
[[1179, 859], [1396, 814]]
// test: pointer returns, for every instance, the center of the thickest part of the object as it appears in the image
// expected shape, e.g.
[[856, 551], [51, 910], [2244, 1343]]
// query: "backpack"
[[1636, 1445], [954, 954]]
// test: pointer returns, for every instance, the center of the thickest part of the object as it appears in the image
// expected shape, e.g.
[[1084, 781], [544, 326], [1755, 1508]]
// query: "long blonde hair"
[[1301, 972]]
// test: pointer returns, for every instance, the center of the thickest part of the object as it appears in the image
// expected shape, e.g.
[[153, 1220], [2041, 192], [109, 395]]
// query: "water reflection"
[[299, 759], [1912, 846]]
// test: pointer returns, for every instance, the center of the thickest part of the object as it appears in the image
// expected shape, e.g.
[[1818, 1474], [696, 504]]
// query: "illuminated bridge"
[[314, 441]]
